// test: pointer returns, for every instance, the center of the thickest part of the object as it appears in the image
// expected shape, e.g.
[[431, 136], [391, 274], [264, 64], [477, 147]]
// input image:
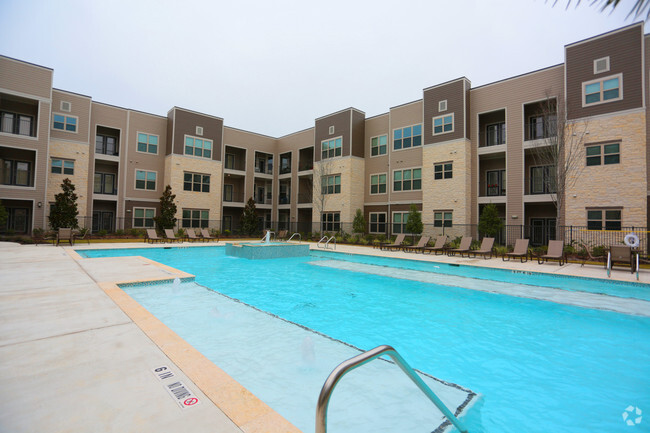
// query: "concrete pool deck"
[[78, 354]]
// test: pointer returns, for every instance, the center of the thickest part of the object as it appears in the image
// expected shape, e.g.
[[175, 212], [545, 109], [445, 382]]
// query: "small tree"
[[249, 218], [64, 213], [489, 223], [359, 222], [167, 217], [414, 222]]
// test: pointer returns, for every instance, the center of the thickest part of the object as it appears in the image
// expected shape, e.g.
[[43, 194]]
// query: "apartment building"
[[450, 153]]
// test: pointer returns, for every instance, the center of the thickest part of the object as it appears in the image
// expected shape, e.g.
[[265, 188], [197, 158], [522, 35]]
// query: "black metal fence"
[[538, 235]]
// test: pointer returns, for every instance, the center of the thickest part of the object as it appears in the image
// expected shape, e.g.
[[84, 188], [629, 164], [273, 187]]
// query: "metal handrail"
[[321, 240], [299, 237], [330, 239], [346, 366]]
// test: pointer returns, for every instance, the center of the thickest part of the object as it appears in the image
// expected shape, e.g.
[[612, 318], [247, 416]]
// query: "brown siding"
[[185, 123], [454, 92], [170, 131], [624, 49], [80, 108], [342, 128], [358, 133]]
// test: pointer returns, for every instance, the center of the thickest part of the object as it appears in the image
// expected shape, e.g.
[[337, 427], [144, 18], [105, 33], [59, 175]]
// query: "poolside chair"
[[282, 235], [438, 246], [555, 251], [152, 237], [465, 244], [65, 235], [78, 236], [207, 237], [520, 250], [424, 240], [395, 245], [485, 250], [622, 255], [191, 236], [169, 233]]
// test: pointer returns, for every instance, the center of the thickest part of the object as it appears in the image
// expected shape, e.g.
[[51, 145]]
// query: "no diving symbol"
[[190, 401]]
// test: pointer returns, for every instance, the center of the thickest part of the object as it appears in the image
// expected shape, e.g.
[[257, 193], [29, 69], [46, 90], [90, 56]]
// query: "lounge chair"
[[438, 246], [465, 244], [622, 255], [282, 235], [191, 236], [207, 237], [169, 233], [395, 245], [520, 250], [485, 250], [555, 251], [78, 236], [65, 235], [152, 237], [424, 240]]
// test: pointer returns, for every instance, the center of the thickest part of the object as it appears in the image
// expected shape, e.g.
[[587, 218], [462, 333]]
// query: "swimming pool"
[[540, 366]]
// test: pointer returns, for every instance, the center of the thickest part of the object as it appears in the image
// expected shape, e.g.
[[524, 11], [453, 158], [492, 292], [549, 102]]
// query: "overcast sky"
[[274, 66]]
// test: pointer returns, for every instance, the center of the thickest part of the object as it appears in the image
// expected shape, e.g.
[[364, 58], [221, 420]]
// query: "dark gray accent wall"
[[456, 94], [625, 51], [185, 123], [348, 124]]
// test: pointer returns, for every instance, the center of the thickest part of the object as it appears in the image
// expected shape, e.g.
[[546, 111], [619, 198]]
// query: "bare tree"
[[322, 169], [640, 6], [558, 150]]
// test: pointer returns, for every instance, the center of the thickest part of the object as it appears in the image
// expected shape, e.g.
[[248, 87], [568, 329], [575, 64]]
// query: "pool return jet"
[[346, 366]]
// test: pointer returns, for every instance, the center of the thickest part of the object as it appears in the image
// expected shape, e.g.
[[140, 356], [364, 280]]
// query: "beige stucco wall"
[[616, 185], [176, 165]]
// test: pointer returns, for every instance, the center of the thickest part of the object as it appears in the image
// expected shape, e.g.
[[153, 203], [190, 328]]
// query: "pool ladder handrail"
[[271, 235], [609, 265], [328, 240], [299, 237], [346, 366]]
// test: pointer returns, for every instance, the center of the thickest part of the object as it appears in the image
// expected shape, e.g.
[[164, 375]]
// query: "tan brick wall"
[[352, 171], [447, 194], [80, 154], [176, 165], [623, 184]]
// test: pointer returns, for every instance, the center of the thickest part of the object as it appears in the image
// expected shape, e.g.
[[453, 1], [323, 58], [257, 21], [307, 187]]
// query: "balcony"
[[235, 159], [18, 116], [541, 120], [285, 163], [17, 167], [107, 141], [263, 163], [306, 159]]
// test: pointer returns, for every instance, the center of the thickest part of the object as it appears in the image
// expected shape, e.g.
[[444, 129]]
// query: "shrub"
[[119, 232], [134, 232], [226, 232], [181, 233], [599, 251], [381, 238], [102, 233], [455, 243], [500, 250]]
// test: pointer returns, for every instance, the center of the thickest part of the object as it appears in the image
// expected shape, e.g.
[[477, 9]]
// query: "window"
[[194, 218], [607, 153], [442, 170], [399, 221], [14, 123], [17, 173], [331, 148], [61, 166], [145, 180], [496, 182], [609, 219], [378, 184], [147, 143], [230, 161], [105, 184], [407, 180], [442, 219], [443, 124], [377, 222], [542, 180], [541, 126], [496, 134], [199, 131], [331, 184], [331, 222], [603, 90], [442, 106], [227, 192], [331, 130], [143, 217], [404, 138], [285, 163], [196, 182], [65, 123], [106, 145], [198, 147], [378, 145]]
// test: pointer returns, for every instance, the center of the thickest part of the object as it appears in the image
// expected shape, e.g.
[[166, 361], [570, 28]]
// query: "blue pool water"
[[539, 366]]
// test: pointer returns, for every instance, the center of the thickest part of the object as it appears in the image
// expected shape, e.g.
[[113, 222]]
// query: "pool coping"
[[242, 407]]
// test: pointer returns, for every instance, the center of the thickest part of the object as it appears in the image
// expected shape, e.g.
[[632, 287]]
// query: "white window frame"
[[144, 217], [601, 81], [186, 136], [65, 123], [606, 69], [392, 179], [137, 141], [442, 217], [135, 180], [370, 223], [402, 128], [199, 131], [442, 106], [329, 140], [386, 183], [433, 124], [378, 137], [325, 183], [402, 223], [63, 161], [65, 104], [201, 184]]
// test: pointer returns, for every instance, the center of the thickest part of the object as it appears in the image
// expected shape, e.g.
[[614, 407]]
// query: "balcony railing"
[[233, 197], [18, 124], [541, 130]]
